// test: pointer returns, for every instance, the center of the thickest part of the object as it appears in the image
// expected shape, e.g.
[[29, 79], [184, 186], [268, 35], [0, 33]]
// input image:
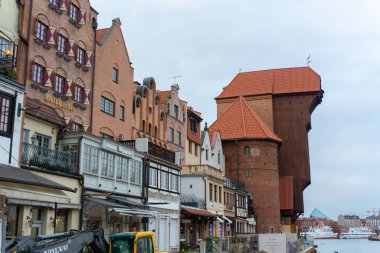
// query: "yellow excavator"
[[76, 241]]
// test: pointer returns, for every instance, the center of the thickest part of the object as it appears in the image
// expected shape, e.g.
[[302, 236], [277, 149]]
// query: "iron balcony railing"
[[8, 55], [48, 159], [154, 150]]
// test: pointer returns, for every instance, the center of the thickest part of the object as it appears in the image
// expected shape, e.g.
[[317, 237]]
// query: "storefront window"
[[61, 220]]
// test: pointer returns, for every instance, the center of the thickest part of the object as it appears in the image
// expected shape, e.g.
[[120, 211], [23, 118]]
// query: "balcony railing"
[[130, 143], [48, 159], [161, 152]]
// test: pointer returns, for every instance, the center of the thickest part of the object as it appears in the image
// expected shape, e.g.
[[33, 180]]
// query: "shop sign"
[[59, 103], [185, 221]]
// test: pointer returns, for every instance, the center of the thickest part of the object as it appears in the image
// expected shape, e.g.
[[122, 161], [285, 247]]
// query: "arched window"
[[155, 132], [115, 73], [150, 129]]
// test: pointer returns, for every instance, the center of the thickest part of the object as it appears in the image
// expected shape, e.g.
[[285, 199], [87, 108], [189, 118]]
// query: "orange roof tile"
[[164, 94], [286, 192], [100, 34], [239, 121], [273, 81]]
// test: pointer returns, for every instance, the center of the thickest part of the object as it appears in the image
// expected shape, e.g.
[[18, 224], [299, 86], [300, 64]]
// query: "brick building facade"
[[113, 89]]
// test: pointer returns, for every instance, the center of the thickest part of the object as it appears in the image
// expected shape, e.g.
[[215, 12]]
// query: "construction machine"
[[76, 241]]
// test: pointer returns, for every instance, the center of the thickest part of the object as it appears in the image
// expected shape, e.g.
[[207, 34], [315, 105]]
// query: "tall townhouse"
[[202, 189], [113, 89], [175, 110], [35, 202], [57, 41], [161, 165], [264, 118]]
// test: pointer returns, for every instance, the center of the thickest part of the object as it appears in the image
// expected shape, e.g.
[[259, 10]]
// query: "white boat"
[[356, 233], [324, 232]]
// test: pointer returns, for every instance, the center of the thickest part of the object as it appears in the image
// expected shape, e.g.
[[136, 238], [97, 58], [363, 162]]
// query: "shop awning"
[[28, 202], [23, 176], [128, 202], [104, 202], [196, 211], [219, 219], [226, 219]]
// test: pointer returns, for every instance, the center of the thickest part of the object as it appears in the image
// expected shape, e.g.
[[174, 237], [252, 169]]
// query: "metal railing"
[[48, 159], [161, 152], [8, 57]]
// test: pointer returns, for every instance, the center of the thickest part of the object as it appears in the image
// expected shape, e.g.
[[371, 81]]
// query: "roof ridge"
[[222, 114], [263, 125], [242, 115]]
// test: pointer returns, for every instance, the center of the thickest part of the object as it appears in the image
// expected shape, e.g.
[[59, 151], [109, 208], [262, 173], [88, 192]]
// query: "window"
[[122, 169], [76, 127], [190, 147], [143, 126], [207, 154], [38, 73], [155, 132], [41, 31], [107, 164], [210, 191], [249, 172], [153, 177], [107, 106], [73, 151], [171, 134], [91, 155], [78, 93], [121, 113], [61, 220], [54, 2], [115, 73], [179, 138], [215, 192], [59, 84], [136, 172], [5, 114], [5, 45], [174, 183], [195, 149], [150, 129], [246, 150], [164, 180], [218, 157], [43, 141], [176, 111], [193, 126], [220, 194], [74, 13], [80, 55], [62, 44], [145, 245], [107, 136]]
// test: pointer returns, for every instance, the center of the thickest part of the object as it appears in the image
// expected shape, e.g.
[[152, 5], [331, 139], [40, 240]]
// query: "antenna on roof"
[[308, 60], [174, 77], [240, 70]]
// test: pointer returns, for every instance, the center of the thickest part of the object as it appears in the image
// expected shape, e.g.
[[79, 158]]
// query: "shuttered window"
[[78, 93], [37, 73], [59, 84], [74, 13], [62, 44], [41, 31]]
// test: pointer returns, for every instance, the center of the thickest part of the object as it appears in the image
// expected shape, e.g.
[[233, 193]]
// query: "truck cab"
[[133, 242]]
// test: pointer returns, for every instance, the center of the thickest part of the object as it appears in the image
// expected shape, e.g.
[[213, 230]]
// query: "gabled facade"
[[175, 110], [149, 118], [113, 85], [193, 140]]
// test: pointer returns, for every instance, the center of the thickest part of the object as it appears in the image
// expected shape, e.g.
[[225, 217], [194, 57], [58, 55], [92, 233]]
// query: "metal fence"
[[48, 159]]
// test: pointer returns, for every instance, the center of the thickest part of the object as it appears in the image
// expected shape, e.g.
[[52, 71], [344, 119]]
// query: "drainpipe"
[[93, 80], [237, 162], [28, 42]]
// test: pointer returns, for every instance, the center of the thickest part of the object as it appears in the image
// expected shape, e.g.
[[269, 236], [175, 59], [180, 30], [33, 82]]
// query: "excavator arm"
[[74, 241]]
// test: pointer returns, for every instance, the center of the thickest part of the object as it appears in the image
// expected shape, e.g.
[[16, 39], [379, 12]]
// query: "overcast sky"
[[207, 42]]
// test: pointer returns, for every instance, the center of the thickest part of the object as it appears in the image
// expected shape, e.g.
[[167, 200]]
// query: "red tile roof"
[[273, 81], [239, 121], [100, 34], [43, 111], [164, 94], [196, 211], [286, 192]]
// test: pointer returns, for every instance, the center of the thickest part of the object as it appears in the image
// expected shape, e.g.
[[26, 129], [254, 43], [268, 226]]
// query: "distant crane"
[[373, 211]]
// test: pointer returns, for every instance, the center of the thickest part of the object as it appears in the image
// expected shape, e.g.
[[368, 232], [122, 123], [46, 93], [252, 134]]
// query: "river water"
[[347, 246]]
